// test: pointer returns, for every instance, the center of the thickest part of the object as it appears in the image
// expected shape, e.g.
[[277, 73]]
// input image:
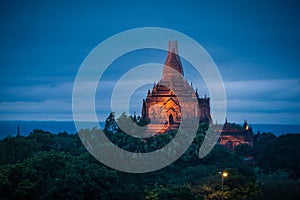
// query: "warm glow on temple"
[[233, 135], [161, 106]]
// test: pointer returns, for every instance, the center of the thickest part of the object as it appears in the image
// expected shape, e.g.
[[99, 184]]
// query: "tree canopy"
[[57, 166]]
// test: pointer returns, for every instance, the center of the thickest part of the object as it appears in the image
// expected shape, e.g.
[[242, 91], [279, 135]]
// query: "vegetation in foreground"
[[57, 166]]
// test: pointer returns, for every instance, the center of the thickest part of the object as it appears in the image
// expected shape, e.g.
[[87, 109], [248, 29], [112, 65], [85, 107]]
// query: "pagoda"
[[233, 135], [161, 107]]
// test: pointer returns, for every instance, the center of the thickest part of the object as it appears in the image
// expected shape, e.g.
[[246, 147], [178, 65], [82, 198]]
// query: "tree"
[[170, 192], [281, 153], [110, 124], [243, 150], [16, 149]]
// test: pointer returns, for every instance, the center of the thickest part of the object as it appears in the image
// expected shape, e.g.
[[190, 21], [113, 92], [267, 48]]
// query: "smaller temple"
[[234, 134]]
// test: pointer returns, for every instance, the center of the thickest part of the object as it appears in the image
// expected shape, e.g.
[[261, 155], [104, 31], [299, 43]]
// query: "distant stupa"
[[18, 133]]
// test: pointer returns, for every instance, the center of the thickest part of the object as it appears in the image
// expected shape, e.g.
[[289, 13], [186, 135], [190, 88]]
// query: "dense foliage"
[[57, 166]]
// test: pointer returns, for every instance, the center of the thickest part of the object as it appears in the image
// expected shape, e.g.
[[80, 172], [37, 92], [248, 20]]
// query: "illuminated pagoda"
[[233, 135], [161, 105]]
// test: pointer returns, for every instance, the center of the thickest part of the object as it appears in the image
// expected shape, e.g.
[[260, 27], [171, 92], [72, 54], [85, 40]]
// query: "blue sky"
[[256, 46]]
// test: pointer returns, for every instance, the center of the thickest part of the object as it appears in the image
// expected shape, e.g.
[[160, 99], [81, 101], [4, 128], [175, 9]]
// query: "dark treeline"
[[57, 166]]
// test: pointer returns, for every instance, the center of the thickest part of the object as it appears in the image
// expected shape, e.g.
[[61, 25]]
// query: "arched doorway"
[[171, 120]]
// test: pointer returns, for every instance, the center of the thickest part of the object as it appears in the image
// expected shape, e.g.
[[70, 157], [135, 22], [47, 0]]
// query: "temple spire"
[[172, 62], [173, 47]]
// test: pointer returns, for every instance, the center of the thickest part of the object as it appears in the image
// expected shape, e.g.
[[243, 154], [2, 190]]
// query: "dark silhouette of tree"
[[57, 166]]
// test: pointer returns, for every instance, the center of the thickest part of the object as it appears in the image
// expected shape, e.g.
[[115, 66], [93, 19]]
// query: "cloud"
[[50, 106], [264, 101], [274, 99], [36, 110], [40, 92], [262, 90], [252, 106]]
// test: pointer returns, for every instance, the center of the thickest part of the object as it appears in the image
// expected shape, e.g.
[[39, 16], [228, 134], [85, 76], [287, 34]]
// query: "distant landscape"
[[10, 127]]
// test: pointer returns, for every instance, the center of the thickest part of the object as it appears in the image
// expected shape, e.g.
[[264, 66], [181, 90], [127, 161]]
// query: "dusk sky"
[[255, 45]]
